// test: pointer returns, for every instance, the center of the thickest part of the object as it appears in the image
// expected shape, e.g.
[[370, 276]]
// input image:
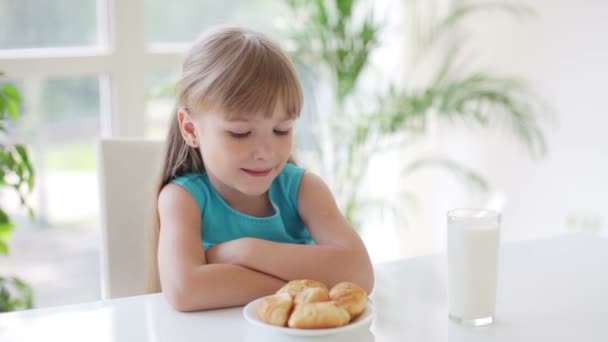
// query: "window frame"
[[122, 61]]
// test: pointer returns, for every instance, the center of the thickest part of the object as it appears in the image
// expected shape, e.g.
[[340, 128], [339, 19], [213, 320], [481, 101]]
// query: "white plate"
[[363, 321]]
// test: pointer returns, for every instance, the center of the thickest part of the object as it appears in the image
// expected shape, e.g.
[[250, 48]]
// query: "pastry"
[[275, 309], [349, 296], [311, 295], [308, 304], [318, 315], [295, 286]]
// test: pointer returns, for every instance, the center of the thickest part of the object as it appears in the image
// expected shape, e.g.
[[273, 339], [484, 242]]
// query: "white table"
[[548, 290]]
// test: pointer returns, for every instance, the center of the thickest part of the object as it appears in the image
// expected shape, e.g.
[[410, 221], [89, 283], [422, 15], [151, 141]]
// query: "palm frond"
[[486, 99], [460, 13], [463, 11], [473, 179]]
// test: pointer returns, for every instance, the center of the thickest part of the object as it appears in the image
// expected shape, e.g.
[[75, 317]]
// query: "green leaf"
[[2, 104], [369, 31], [6, 231], [4, 217], [15, 294], [4, 299], [345, 8], [4, 155], [25, 162], [13, 110], [3, 248], [22, 152], [26, 292], [12, 93], [320, 15]]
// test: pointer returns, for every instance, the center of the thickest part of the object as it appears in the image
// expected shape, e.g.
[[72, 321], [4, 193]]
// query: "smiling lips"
[[257, 172]]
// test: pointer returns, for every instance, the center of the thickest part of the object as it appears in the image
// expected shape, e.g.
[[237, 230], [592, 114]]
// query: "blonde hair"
[[236, 72]]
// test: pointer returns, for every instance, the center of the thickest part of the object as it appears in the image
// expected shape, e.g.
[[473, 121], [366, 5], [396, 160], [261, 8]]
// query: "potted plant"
[[17, 175], [335, 45]]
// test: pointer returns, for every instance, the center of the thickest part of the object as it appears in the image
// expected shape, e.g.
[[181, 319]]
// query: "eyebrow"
[[247, 120]]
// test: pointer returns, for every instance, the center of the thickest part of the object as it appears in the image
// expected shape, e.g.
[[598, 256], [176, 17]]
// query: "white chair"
[[128, 172]]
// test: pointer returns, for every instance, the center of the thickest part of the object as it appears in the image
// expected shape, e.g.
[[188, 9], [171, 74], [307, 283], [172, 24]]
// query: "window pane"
[[60, 124], [56, 23], [194, 16], [67, 101], [58, 252], [159, 103]]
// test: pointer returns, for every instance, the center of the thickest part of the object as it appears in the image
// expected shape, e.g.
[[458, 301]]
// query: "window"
[[35, 24], [86, 69]]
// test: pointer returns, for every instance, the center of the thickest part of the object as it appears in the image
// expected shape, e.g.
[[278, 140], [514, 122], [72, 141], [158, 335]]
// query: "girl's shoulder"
[[196, 184]]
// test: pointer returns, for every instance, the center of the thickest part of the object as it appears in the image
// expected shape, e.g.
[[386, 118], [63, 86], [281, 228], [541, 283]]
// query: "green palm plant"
[[329, 40], [16, 174]]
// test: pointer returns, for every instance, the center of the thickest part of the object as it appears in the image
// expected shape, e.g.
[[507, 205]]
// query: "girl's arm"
[[188, 282], [339, 255]]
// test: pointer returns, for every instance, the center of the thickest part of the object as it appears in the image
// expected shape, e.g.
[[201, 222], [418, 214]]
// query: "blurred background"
[[412, 108]]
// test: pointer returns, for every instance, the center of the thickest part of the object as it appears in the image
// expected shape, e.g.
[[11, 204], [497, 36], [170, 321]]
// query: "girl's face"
[[245, 154]]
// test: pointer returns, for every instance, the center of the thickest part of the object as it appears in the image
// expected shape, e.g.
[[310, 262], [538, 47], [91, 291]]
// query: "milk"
[[472, 268]]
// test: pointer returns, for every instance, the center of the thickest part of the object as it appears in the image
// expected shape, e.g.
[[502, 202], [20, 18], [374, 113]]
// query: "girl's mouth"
[[257, 172]]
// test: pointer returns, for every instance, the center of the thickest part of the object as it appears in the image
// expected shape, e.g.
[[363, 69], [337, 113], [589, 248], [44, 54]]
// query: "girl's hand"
[[230, 252]]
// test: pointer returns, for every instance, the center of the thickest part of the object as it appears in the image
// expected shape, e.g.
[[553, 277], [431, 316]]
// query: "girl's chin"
[[254, 191]]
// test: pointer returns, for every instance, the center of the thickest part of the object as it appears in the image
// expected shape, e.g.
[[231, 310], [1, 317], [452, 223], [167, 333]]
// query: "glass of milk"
[[472, 254]]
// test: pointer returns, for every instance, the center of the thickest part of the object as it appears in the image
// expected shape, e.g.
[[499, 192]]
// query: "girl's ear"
[[187, 127]]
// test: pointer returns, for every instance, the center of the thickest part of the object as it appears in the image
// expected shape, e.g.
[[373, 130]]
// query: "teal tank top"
[[221, 223]]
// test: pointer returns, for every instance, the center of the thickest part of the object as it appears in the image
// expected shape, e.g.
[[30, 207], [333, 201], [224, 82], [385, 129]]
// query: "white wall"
[[563, 51]]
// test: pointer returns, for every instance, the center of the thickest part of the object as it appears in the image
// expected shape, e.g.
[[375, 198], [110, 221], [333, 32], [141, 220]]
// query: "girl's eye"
[[239, 135], [281, 132]]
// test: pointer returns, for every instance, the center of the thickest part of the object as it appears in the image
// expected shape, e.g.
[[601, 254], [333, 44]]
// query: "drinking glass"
[[472, 257]]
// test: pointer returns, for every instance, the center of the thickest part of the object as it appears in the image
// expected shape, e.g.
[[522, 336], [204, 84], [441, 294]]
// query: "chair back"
[[128, 173]]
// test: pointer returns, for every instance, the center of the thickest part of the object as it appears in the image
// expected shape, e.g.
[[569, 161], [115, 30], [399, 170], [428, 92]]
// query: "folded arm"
[[188, 281], [339, 254]]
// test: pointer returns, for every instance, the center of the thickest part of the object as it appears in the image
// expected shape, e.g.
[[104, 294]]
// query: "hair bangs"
[[254, 83]]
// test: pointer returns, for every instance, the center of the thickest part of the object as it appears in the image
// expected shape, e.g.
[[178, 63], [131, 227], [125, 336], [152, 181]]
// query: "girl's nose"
[[263, 148]]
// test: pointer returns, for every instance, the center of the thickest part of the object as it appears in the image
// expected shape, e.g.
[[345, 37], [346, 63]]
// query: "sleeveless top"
[[221, 223]]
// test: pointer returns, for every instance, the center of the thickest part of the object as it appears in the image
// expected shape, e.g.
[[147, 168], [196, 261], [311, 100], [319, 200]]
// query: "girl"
[[237, 219]]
